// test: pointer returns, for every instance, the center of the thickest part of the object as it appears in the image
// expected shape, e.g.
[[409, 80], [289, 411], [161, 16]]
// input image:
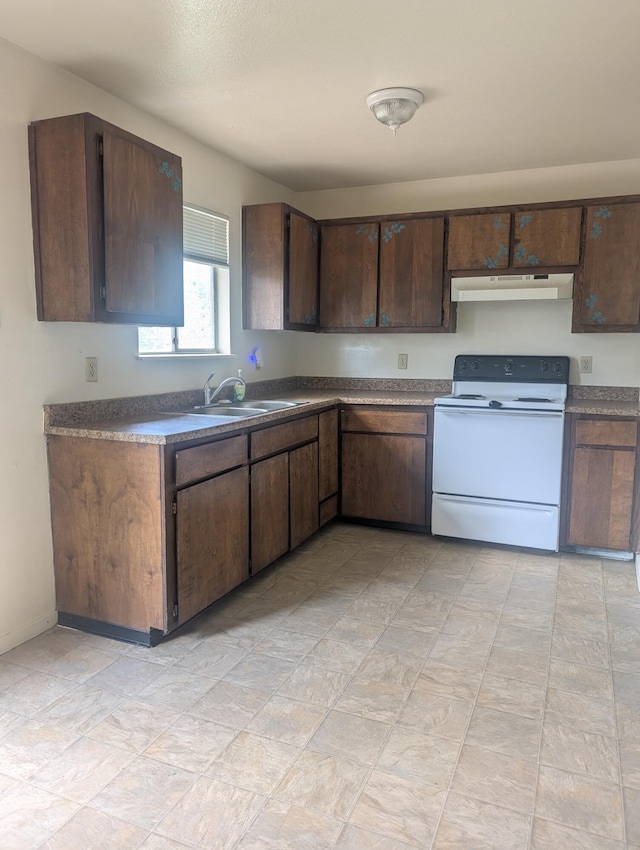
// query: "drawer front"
[[384, 422], [603, 432], [278, 438], [210, 459]]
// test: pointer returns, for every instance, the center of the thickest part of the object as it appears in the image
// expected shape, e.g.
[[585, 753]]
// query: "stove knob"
[[558, 367], [544, 366], [463, 365], [508, 366], [495, 404], [475, 364]]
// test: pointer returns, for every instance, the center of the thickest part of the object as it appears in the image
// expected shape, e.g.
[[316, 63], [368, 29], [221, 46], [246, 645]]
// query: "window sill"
[[178, 355]]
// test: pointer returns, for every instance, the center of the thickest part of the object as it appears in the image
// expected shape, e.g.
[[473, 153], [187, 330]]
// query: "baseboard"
[[28, 631], [637, 559]]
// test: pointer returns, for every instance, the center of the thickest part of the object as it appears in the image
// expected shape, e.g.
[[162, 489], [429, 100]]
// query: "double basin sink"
[[240, 409]]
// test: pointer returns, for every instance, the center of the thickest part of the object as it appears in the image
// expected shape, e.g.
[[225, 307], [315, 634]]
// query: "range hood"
[[512, 287]]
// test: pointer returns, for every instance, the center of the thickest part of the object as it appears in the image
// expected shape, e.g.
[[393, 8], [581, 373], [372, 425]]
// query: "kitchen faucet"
[[211, 395]]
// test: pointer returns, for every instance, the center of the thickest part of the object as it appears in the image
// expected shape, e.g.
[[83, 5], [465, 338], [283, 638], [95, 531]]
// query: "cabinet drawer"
[[210, 459], [278, 438], [384, 422], [603, 432]]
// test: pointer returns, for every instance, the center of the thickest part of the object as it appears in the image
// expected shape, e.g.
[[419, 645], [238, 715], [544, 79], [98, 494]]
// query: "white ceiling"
[[281, 84]]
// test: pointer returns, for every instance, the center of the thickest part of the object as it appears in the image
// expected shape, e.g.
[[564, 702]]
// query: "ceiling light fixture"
[[394, 107]]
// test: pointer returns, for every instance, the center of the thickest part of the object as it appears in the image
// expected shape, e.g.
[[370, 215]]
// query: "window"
[[206, 291]]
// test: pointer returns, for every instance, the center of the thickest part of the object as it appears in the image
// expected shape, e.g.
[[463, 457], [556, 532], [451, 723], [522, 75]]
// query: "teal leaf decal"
[[370, 232], [166, 170], [370, 320], [385, 320], [525, 220], [312, 231], [520, 253], [596, 228], [177, 184], [310, 318], [596, 316], [391, 230], [498, 222], [502, 252]]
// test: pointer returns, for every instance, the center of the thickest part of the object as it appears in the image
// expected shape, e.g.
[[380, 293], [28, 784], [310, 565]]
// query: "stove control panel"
[[523, 369]]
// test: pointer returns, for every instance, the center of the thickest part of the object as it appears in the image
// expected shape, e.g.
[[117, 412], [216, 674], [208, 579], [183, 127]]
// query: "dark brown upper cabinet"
[[608, 291], [547, 238], [479, 241], [349, 275], [384, 275], [526, 239], [279, 268], [411, 273], [107, 222]]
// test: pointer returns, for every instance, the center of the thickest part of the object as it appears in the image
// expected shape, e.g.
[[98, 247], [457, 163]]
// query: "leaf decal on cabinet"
[[312, 231], [385, 320], [370, 232], [391, 230], [521, 254], [498, 222], [492, 262], [596, 227], [524, 221], [370, 320], [596, 316]]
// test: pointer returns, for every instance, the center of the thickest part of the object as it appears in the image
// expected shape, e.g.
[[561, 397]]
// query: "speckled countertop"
[[158, 419]]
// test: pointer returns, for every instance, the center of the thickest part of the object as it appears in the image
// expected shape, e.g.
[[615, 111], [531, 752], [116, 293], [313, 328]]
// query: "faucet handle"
[[206, 383]]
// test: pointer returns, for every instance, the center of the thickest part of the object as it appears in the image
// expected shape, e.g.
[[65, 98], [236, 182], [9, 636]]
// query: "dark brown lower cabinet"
[[328, 450], [600, 494], [269, 510], [303, 493], [384, 474], [212, 539]]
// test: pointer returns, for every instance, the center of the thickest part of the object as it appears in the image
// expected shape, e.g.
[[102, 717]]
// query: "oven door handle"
[[480, 411]]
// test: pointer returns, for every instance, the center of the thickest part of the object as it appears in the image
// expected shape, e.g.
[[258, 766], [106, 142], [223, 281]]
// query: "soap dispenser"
[[239, 389]]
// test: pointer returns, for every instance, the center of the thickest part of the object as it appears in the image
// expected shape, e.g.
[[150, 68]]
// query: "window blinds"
[[205, 236]]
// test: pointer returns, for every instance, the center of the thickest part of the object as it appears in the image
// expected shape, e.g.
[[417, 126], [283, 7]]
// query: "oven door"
[[514, 455]]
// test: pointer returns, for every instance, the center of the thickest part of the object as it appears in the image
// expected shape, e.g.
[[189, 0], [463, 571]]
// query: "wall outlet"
[[586, 365], [91, 368], [403, 361]]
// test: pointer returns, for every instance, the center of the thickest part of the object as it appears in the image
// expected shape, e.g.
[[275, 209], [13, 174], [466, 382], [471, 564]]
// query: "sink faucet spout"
[[210, 395]]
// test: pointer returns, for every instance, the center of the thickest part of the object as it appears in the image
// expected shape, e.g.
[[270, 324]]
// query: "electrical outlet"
[[586, 365], [91, 368], [403, 361]]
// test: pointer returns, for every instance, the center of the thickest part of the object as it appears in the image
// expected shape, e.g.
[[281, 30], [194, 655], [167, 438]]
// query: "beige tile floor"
[[375, 690]]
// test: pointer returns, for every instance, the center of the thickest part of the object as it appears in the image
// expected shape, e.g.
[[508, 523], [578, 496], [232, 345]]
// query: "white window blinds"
[[205, 236]]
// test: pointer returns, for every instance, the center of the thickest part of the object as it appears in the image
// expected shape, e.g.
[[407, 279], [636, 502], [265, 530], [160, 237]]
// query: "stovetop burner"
[[469, 396], [534, 398]]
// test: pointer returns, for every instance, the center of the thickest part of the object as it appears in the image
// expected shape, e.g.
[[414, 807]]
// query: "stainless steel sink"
[[241, 409]]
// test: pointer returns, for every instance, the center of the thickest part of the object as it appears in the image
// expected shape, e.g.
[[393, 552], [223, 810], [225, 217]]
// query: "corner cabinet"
[[384, 466], [600, 491], [279, 268], [107, 224], [608, 292], [384, 275]]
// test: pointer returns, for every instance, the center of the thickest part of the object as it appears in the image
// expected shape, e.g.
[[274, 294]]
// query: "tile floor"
[[375, 690]]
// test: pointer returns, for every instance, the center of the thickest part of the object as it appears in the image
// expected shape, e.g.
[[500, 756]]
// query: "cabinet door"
[[303, 493], [212, 537], [327, 454], [479, 241], [349, 276], [547, 237], [384, 477], [143, 231], [263, 266], [303, 272], [269, 510], [601, 498], [411, 273], [610, 287]]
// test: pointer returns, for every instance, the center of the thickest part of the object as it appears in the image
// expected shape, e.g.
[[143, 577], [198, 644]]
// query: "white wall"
[[44, 362], [518, 328]]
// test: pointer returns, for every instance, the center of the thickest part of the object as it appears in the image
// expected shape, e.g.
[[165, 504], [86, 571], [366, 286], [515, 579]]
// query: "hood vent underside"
[[512, 287]]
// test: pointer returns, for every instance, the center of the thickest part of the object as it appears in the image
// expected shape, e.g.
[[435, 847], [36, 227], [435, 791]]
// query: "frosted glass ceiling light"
[[394, 107]]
